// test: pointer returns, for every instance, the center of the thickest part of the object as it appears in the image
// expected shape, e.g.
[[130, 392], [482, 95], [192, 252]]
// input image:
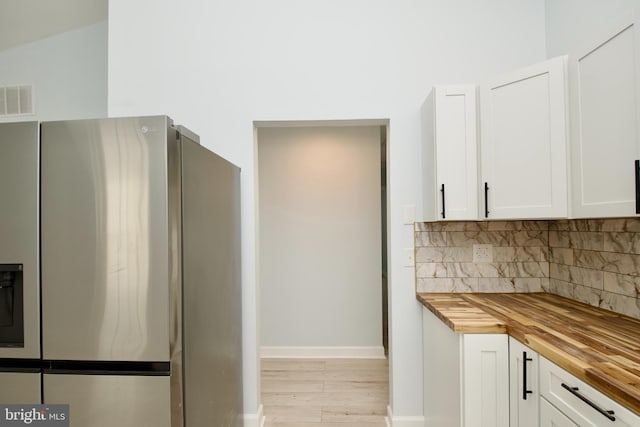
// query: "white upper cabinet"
[[524, 143], [450, 138], [605, 85]]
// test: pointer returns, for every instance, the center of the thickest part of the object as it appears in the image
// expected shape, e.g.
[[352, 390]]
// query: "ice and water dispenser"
[[11, 306]]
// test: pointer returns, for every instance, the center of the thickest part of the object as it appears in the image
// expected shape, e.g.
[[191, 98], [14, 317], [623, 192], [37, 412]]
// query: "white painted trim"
[[254, 420], [322, 352], [319, 123], [403, 421]]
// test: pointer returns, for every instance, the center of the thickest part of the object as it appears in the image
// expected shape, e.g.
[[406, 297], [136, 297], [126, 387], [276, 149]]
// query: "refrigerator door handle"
[[107, 368]]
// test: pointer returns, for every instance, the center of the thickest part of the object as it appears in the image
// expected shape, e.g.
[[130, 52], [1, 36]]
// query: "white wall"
[[568, 22], [68, 71], [218, 66], [320, 236]]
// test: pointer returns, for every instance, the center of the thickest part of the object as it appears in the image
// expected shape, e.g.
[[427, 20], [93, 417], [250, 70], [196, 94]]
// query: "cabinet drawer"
[[564, 391], [551, 417]]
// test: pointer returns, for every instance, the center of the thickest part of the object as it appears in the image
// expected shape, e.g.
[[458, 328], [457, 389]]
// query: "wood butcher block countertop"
[[598, 346]]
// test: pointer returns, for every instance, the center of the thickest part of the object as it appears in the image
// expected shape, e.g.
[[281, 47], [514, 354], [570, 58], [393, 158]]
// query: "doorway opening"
[[322, 238], [322, 260]]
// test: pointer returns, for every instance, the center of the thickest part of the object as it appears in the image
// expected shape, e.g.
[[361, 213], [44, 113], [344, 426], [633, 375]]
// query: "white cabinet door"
[[523, 143], [466, 377], [551, 417], [524, 392], [486, 380], [605, 91], [450, 138], [442, 374]]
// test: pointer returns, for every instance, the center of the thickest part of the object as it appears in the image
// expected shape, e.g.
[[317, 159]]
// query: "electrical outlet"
[[409, 257], [482, 253]]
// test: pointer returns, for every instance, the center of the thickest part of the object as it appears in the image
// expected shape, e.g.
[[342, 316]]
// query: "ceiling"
[[24, 21]]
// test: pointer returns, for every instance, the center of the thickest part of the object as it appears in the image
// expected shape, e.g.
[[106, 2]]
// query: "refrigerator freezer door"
[[19, 231], [19, 388], [211, 288], [104, 237], [111, 400]]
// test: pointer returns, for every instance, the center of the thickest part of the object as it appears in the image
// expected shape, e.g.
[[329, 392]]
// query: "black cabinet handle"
[[637, 168], [576, 393], [486, 200], [442, 191], [525, 359]]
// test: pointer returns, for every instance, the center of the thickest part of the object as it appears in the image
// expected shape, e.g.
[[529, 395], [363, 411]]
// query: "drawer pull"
[[486, 200], [443, 210], [576, 393], [525, 359], [637, 170]]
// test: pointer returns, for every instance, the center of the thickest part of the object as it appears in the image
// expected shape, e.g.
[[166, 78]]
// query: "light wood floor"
[[325, 393]]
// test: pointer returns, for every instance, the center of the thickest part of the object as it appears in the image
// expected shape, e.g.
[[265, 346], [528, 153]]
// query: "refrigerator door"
[[111, 400], [211, 288], [19, 388], [105, 292], [19, 262]]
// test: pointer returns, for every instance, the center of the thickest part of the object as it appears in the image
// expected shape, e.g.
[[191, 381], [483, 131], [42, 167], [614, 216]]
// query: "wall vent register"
[[16, 100]]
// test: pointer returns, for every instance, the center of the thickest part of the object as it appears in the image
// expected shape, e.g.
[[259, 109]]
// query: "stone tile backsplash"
[[444, 256], [595, 261]]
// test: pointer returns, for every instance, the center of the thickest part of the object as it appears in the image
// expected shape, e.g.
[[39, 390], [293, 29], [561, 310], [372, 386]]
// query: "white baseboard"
[[403, 421], [254, 420], [322, 352]]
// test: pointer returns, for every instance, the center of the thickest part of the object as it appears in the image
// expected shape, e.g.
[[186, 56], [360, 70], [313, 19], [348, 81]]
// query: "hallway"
[[325, 392]]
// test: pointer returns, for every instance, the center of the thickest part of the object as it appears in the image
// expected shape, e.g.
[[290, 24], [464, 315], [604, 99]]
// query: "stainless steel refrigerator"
[[120, 273]]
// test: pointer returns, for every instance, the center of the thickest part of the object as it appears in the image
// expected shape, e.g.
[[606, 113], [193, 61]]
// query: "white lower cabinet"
[[581, 403], [524, 391], [466, 377], [551, 417], [493, 380]]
